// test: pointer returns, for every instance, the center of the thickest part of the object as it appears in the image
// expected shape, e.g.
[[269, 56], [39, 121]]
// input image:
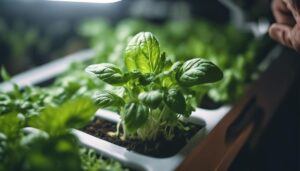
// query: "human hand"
[[286, 30]]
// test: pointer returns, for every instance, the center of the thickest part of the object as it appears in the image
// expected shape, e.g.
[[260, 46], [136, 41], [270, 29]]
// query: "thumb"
[[281, 33]]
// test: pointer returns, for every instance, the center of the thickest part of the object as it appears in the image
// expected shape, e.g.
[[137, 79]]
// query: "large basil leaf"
[[135, 116], [108, 73], [74, 113], [151, 99], [143, 53], [198, 71], [106, 99], [175, 101]]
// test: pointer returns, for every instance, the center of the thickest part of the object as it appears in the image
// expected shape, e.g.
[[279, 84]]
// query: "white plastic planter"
[[209, 118]]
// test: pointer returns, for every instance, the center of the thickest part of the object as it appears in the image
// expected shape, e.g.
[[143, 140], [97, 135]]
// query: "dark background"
[[278, 148]]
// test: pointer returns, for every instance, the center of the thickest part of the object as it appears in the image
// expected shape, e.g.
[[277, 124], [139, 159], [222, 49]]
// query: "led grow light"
[[89, 1]]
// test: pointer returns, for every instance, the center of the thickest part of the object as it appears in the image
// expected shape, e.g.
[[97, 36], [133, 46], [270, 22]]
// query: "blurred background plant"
[[35, 32], [24, 45]]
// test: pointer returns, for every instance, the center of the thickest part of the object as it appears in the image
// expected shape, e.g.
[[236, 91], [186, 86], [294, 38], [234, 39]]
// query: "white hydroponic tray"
[[209, 118]]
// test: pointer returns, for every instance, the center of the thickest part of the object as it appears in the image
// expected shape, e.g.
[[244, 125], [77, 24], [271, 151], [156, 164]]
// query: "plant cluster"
[[53, 111], [155, 92]]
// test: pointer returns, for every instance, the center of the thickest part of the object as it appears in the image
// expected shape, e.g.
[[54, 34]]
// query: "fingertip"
[[281, 33], [274, 32]]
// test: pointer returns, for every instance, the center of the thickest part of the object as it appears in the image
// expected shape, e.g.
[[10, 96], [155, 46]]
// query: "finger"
[[281, 33], [293, 8], [295, 37], [281, 13], [284, 18]]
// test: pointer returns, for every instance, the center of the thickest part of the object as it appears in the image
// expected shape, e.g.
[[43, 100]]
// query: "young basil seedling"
[[157, 92]]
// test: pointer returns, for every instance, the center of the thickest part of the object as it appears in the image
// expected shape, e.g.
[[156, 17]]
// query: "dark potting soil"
[[158, 148]]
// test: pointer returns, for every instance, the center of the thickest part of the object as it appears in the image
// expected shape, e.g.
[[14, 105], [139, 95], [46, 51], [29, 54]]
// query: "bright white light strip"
[[89, 1]]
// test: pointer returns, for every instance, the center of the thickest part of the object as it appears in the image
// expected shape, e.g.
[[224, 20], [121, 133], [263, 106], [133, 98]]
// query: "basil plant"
[[156, 92]]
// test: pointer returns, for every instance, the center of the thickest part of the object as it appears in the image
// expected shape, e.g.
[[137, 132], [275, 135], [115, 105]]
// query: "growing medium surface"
[[161, 147]]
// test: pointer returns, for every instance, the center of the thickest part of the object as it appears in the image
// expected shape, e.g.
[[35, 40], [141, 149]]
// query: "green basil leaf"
[[162, 62], [106, 99], [4, 74], [133, 75], [135, 116], [146, 79], [176, 66], [74, 113], [143, 53], [10, 125], [151, 98], [143, 79], [198, 71], [175, 101], [6, 104], [189, 110], [108, 73]]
